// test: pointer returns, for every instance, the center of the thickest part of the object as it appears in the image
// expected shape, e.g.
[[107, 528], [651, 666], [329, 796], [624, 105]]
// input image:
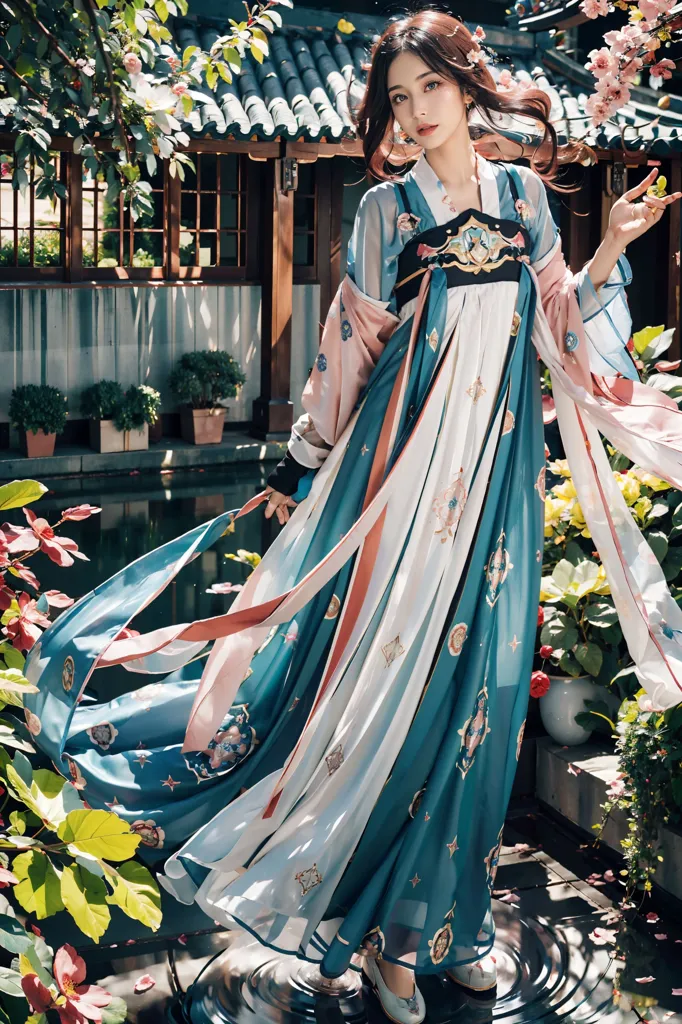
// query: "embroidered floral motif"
[[458, 635], [433, 339], [346, 330], [476, 389], [308, 879], [78, 780], [392, 650], [473, 732], [321, 362], [571, 341], [519, 739], [103, 735], [440, 944], [473, 247], [449, 506], [497, 570], [149, 832], [334, 759], [333, 609], [372, 945], [492, 860], [416, 801], [407, 221], [68, 671], [516, 323], [524, 209], [233, 742], [540, 484], [509, 422]]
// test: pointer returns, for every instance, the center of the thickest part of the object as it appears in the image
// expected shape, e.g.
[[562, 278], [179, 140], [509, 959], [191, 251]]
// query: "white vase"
[[561, 704]]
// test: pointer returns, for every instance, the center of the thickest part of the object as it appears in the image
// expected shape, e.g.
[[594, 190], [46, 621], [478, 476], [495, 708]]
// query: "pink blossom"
[[79, 512], [676, 992], [630, 70], [23, 629], [41, 535], [601, 62], [173, 63], [603, 936], [613, 91], [144, 983], [653, 9], [506, 80], [478, 56], [224, 588], [629, 37], [56, 599], [598, 109], [645, 980], [180, 88], [83, 1002], [616, 788], [662, 69], [652, 917], [5, 170], [594, 8], [132, 63], [666, 365], [609, 876], [479, 33], [661, 936]]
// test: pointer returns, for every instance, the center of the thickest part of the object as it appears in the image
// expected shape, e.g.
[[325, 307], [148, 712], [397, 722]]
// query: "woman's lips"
[[427, 130]]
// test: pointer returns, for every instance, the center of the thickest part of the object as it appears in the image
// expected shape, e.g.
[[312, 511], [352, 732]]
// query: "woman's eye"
[[434, 83]]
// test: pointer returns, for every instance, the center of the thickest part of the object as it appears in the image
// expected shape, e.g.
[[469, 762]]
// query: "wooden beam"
[[580, 205], [674, 243], [323, 223], [73, 240], [173, 195], [273, 409]]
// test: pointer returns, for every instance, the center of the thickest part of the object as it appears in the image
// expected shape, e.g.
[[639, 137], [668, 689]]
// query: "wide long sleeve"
[[352, 340]]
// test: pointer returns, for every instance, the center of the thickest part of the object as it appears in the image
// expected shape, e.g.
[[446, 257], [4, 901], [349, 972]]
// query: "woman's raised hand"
[[279, 503], [629, 219]]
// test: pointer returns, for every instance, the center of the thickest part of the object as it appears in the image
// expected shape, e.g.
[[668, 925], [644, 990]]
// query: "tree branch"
[[54, 42], [110, 72], [15, 74]]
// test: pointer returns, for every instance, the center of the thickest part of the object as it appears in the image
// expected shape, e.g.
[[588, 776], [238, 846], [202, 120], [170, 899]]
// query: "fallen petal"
[[645, 981], [144, 983]]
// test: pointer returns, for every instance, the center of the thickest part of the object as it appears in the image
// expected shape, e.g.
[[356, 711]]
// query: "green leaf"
[[99, 833], [256, 53], [12, 680], [84, 896], [658, 542], [20, 492], [13, 935], [135, 892], [188, 52], [10, 983], [39, 888], [15, 659], [46, 796], [161, 9], [601, 614], [115, 1012]]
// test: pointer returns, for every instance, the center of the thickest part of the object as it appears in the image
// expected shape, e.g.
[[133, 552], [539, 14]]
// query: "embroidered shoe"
[[411, 1010], [480, 976]]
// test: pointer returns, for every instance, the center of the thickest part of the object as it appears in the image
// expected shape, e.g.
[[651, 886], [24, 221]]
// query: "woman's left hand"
[[628, 219]]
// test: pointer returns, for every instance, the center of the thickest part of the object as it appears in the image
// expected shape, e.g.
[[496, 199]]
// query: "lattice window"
[[111, 238], [32, 229], [213, 212], [305, 224]]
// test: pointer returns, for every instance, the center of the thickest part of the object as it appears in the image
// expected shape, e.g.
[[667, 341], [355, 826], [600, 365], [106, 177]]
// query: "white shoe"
[[410, 1010], [480, 976]]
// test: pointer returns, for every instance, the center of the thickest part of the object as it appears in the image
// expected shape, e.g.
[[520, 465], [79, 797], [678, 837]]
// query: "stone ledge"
[[577, 797], [168, 454]]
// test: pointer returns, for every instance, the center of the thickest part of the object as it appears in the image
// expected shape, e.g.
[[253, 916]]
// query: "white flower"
[[157, 100], [478, 56]]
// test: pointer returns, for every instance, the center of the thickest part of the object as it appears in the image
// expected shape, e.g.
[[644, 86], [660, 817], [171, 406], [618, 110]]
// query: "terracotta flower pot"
[[38, 445], [105, 438], [155, 431], [202, 426]]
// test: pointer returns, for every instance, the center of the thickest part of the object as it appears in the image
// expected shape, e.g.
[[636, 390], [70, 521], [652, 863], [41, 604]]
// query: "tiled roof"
[[539, 15]]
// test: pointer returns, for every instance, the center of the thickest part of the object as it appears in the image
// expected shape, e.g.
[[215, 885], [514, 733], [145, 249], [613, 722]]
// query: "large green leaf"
[[8, 738], [116, 1011], [601, 613], [84, 896], [589, 655], [10, 983], [48, 796], [136, 893], [99, 833], [39, 888], [20, 492], [13, 935], [13, 680]]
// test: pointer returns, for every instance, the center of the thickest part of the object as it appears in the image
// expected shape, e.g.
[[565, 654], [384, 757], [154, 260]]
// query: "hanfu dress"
[[344, 780]]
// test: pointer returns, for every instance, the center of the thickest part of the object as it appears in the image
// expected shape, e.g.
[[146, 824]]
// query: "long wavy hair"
[[446, 46]]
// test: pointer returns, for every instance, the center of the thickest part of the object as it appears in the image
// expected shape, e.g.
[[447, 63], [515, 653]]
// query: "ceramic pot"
[[202, 426], [562, 702], [38, 445]]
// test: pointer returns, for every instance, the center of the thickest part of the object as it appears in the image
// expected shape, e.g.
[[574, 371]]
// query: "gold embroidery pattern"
[[308, 879], [416, 801], [433, 339], [519, 739], [497, 570], [473, 732], [373, 944], [516, 323], [68, 672], [333, 609], [509, 422], [451, 912], [492, 860], [540, 484], [458, 635], [476, 390], [440, 944], [334, 759], [392, 650], [449, 507], [452, 846]]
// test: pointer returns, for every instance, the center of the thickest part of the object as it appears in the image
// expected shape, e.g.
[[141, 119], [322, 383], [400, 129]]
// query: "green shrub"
[[37, 407], [101, 400], [204, 378], [140, 405]]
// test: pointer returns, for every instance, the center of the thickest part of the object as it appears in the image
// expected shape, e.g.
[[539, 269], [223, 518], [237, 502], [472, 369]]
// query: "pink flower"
[[506, 80], [57, 549], [5, 170], [539, 684], [56, 599], [24, 629], [652, 917], [224, 588], [676, 992], [665, 365], [83, 1002], [594, 8], [598, 109], [479, 33], [603, 936], [609, 876], [616, 788], [661, 936], [79, 512], [613, 91], [478, 56], [407, 222], [180, 88], [662, 69], [653, 9], [629, 37], [173, 63], [132, 63], [144, 983], [646, 980], [630, 70], [601, 62]]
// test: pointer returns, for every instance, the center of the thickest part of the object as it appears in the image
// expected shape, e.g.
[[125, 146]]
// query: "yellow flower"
[[560, 467], [603, 587], [565, 490], [629, 486], [345, 26], [649, 480], [643, 507], [553, 510], [578, 520]]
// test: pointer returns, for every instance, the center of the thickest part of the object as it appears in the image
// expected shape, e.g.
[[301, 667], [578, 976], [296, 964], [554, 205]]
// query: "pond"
[[140, 512]]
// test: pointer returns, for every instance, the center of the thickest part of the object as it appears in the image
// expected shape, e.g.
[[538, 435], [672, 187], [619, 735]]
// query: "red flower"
[[24, 629], [546, 650], [79, 512], [539, 684], [541, 615], [83, 1002], [41, 535]]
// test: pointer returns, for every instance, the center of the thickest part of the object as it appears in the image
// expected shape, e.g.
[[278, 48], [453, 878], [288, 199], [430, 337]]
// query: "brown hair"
[[443, 43]]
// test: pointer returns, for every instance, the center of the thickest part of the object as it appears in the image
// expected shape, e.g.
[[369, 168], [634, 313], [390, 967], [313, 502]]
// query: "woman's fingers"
[[653, 202], [637, 190]]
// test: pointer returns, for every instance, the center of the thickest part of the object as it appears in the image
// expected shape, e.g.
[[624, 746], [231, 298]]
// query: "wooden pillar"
[[328, 225], [674, 243], [73, 235], [273, 409], [579, 229]]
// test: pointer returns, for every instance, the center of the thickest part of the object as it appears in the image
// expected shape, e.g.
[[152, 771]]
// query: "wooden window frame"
[[17, 275], [309, 274]]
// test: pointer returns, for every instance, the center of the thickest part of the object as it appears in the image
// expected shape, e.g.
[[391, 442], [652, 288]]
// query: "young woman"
[[342, 785]]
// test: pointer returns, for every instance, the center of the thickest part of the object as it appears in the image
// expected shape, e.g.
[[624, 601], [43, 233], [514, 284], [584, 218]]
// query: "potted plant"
[[201, 380], [39, 412], [119, 421]]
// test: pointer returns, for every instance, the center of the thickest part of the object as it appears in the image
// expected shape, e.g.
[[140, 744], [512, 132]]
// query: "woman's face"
[[429, 107]]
